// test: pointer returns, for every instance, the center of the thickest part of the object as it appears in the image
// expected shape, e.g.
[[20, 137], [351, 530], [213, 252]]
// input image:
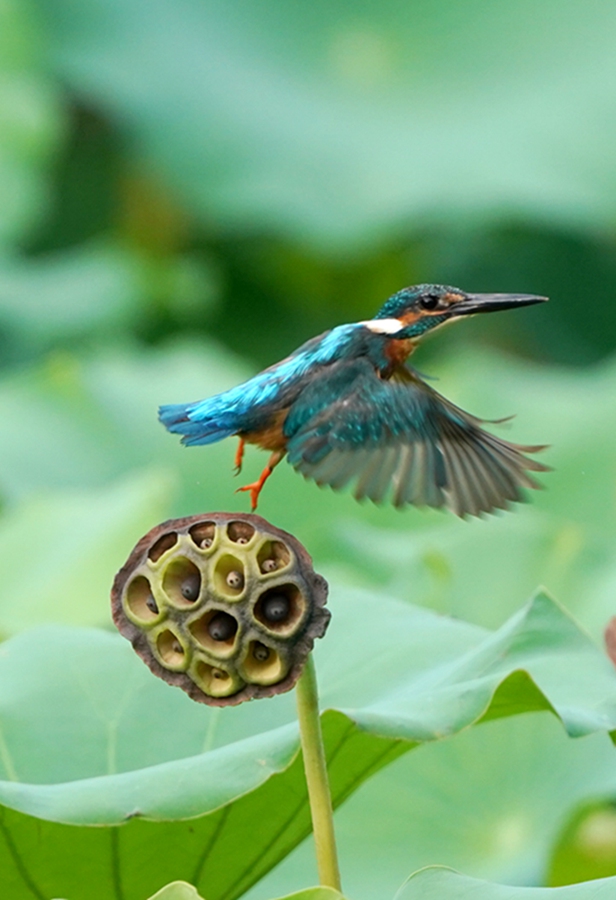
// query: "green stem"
[[316, 777]]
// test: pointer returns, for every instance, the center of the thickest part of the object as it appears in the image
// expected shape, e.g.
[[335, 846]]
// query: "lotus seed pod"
[[225, 606]]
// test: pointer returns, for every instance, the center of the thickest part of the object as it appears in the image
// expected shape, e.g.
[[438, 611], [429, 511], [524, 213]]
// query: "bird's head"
[[413, 311]]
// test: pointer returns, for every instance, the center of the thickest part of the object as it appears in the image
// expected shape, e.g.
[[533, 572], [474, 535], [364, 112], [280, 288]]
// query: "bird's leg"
[[255, 487], [239, 456]]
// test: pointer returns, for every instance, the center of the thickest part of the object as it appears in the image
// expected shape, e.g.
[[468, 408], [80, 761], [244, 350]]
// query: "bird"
[[346, 407]]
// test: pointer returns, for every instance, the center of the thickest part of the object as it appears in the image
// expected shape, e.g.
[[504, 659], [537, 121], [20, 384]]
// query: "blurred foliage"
[[441, 884], [189, 191], [326, 177], [342, 123], [32, 121], [181, 890], [586, 848]]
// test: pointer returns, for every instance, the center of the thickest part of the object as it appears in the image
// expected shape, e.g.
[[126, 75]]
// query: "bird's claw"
[[254, 489]]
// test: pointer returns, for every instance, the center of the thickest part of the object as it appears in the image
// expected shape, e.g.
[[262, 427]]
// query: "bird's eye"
[[429, 301]]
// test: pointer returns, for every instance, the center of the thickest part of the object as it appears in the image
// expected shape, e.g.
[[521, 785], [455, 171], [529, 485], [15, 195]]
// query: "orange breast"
[[271, 437], [397, 352]]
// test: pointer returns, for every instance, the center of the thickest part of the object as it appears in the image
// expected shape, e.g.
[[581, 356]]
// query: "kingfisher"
[[345, 407]]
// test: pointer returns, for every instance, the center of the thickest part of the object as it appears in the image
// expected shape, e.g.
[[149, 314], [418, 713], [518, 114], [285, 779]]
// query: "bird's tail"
[[189, 420]]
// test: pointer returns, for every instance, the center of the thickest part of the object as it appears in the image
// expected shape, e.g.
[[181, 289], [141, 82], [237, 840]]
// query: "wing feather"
[[433, 475], [376, 477], [339, 467], [502, 483], [475, 473], [418, 474], [370, 472], [401, 478], [460, 497], [333, 466]]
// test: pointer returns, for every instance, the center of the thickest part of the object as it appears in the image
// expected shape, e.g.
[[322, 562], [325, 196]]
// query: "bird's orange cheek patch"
[[410, 318]]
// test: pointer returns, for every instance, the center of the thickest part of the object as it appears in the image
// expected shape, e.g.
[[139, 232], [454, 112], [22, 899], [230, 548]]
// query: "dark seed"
[[190, 587], [206, 543], [222, 626], [235, 580], [275, 608], [177, 647], [242, 540], [151, 604], [260, 652], [219, 674], [269, 565]]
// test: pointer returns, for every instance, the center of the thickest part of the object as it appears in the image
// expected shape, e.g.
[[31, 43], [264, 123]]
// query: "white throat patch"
[[383, 326]]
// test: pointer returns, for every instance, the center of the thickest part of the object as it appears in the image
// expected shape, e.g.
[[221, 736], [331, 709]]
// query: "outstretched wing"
[[400, 437]]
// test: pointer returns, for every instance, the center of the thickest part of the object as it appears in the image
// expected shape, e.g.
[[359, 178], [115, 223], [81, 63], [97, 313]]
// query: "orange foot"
[[239, 456], [255, 487]]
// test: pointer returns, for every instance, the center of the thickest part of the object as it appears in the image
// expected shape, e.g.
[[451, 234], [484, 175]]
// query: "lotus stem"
[[316, 777]]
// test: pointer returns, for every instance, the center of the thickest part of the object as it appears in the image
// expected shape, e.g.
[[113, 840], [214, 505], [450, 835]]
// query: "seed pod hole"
[[140, 600], [281, 608], [260, 652], [222, 627], [240, 532], [182, 582], [216, 681], [263, 665], [276, 608], [190, 587], [170, 650], [216, 630], [272, 556], [164, 543], [203, 534], [229, 577], [235, 580]]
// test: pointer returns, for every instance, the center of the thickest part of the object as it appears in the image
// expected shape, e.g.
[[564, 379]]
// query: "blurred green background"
[[191, 188]]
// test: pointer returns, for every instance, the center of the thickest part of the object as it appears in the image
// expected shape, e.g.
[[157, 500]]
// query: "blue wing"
[[249, 406], [401, 437]]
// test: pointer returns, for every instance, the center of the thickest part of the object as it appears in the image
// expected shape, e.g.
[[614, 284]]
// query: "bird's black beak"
[[480, 303]]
